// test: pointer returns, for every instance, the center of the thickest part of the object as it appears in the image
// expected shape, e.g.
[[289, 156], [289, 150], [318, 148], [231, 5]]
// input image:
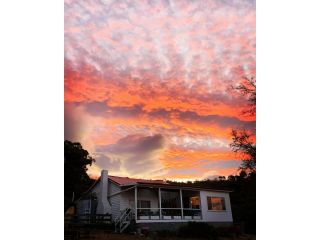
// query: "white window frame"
[[223, 205]]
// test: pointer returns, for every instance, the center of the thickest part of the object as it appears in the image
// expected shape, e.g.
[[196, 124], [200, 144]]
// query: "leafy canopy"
[[76, 179]]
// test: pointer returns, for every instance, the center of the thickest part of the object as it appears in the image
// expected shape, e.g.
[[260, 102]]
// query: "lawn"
[[113, 236]]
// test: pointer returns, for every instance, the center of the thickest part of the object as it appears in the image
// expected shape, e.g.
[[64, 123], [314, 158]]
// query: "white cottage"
[[155, 203]]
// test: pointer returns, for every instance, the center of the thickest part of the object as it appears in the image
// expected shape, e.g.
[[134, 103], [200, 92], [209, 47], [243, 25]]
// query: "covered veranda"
[[163, 203]]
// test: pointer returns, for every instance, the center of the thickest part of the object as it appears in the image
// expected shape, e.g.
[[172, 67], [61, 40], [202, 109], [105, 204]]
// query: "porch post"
[[136, 202], [200, 204], [160, 203], [181, 203]]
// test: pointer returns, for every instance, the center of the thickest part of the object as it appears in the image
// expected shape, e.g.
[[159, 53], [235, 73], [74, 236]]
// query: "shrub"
[[166, 233], [199, 230], [228, 231]]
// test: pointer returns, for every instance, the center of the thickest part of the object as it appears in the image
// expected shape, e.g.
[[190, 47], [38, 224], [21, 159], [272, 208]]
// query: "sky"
[[148, 84]]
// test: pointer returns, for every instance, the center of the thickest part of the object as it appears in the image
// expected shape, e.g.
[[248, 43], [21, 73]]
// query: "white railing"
[[169, 214], [123, 221], [148, 213]]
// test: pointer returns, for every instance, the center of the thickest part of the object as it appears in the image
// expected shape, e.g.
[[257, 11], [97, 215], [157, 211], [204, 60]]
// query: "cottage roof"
[[125, 181], [129, 181]]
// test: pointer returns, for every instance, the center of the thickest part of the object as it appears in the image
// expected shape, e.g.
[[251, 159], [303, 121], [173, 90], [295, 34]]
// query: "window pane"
[[223, 204], [216, 203], [191, 199], [195, 202]]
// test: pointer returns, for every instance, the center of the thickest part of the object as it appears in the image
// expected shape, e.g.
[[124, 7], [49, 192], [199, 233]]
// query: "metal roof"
[[132, 181], [125, 181]]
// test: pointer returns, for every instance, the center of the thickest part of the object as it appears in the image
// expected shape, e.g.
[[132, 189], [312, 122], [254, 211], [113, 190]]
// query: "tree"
[[242, 139], [247, 88], [76, 179], [243, 198], [241, 143]]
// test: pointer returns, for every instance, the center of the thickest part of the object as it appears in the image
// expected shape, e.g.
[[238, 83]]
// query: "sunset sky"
[[148, 84]]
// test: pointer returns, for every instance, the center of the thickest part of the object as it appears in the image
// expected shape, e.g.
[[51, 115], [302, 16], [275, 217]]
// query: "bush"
[[199, 230], [228, 231], [166, 233]]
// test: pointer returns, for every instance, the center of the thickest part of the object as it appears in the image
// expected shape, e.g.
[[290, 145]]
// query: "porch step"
[[124, 220]]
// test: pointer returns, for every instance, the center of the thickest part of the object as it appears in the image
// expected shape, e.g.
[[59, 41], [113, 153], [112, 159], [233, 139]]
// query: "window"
[[216, 203], [195, 202], [144, 204], [191, 199]]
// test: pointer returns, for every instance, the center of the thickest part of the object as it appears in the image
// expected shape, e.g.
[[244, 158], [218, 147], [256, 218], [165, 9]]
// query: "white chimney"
[[103, 202]]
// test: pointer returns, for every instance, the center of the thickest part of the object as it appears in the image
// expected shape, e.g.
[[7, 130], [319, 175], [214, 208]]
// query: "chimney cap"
[[104, 171]]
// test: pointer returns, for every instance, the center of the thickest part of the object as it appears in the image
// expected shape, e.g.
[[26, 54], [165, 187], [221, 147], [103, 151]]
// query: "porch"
[[161, 204]]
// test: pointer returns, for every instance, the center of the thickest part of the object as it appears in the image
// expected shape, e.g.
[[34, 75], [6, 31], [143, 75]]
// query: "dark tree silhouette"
[[247, 88], [242, 139], [76, 179], [243, 198], [241, 143]]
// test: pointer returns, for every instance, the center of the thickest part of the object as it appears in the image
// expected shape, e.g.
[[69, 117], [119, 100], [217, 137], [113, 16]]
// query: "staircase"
[[123, 221]]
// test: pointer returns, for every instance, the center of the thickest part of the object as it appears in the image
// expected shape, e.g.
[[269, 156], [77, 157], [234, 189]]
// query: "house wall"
[[125, 197], [150, 195], [143, 194], [97, 189], [84, 205], [215, 216], [114, 200]]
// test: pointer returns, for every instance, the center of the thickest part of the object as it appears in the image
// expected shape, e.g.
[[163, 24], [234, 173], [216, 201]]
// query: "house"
[[154, 203]]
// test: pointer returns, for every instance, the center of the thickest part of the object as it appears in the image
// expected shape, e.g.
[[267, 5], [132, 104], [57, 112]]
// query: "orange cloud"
[[143, 68]]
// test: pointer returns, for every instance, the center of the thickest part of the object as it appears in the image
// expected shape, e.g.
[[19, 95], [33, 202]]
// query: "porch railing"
[[89, 219], [168, 214]]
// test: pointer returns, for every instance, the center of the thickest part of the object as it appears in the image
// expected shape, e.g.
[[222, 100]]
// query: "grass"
[[114, 236]]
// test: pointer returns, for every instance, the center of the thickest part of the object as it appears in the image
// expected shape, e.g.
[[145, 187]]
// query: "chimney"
[[103, 202]]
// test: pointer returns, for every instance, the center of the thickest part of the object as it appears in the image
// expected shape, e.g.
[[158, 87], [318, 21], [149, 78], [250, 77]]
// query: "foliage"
[[247, 88], [241, 139], [241, 143], [199, 230], [243, 197], [163, 234], [243, 200], [76, 179], [228, 231]]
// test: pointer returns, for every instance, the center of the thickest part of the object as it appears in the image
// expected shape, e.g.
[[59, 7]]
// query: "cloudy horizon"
[[148, 84]]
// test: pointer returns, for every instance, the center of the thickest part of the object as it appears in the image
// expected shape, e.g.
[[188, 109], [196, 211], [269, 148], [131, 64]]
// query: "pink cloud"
[[158, 67]]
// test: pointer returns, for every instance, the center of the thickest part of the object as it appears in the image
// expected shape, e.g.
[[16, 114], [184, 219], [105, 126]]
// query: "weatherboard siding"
[[114, 200], [215, 216], [97, 189]]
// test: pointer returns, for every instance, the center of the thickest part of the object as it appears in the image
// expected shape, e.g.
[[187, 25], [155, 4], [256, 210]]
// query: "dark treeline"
[[242, 197], [76, 179]]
